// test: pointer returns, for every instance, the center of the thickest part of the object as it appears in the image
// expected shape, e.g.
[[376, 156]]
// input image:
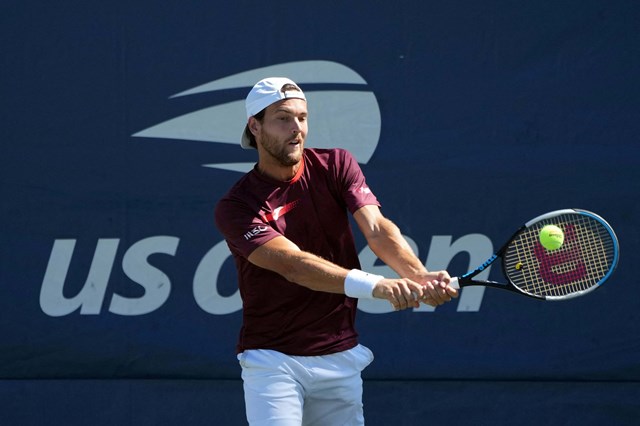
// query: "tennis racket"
[[586, 259]]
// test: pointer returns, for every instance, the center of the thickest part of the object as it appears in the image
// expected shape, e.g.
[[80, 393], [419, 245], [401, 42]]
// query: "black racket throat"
[[468, 281]]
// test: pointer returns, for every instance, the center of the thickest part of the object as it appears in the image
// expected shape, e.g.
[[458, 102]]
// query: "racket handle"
[[454, 283]]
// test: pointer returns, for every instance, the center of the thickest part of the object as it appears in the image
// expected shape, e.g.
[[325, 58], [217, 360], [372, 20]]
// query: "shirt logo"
[[278, 212], [255, 231], [364, 190]]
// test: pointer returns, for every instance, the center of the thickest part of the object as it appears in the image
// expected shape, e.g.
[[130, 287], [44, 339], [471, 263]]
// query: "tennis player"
[[287, 226]]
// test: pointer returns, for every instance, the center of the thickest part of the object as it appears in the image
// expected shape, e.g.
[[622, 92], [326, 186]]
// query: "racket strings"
[[585, 258]]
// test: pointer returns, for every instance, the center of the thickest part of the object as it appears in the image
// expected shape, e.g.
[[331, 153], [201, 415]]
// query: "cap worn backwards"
[[264, 93]]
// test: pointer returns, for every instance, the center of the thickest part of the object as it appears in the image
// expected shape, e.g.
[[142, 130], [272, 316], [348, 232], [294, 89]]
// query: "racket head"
[[586, 259]]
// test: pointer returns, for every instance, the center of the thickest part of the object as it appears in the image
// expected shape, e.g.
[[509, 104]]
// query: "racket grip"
[[454, 283]]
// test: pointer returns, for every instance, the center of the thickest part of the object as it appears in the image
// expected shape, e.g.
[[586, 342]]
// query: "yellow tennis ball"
[[551, 237]]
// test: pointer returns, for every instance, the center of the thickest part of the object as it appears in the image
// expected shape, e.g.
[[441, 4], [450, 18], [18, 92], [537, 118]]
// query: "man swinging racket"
[[286, 223]]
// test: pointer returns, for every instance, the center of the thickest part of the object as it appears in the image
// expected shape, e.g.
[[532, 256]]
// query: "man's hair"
[[260, 116]]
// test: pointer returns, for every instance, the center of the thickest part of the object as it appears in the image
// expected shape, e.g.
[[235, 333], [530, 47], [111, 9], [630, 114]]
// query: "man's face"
[[283, 131]]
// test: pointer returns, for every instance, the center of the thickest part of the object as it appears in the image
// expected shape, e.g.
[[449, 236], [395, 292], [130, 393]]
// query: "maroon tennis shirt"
[[310, 210]]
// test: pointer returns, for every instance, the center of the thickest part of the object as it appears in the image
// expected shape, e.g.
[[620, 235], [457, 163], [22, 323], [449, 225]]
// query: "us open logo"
[[345, 118]]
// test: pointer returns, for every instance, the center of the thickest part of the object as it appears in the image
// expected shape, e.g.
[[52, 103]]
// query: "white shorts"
[[286, 390]]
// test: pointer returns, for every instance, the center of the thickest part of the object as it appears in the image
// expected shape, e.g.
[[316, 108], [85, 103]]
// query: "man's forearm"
[[392, 248]]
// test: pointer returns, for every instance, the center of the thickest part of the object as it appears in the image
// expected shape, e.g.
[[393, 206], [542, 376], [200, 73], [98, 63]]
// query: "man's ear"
[[254, 126]]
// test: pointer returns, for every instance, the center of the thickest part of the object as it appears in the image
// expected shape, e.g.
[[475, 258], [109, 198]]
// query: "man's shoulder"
[[327, 152], [241, 193], [329, 156]]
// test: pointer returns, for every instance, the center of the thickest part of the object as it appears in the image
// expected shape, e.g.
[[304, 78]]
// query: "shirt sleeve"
[[355, 190], [242, 228]]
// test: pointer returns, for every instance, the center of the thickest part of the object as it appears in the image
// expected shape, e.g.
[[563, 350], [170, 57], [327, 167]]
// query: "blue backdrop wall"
[[120, 129]]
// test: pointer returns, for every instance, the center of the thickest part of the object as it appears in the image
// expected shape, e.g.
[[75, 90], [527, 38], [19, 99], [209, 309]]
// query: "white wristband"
[[360, 284]]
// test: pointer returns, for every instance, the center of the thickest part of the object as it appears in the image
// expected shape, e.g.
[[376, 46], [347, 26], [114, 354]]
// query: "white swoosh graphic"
[[232, 167], [331, 125], [300, 72], [338, 118]]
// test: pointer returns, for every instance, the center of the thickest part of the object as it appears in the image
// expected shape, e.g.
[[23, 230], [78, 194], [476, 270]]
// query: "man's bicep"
[[369, 219]]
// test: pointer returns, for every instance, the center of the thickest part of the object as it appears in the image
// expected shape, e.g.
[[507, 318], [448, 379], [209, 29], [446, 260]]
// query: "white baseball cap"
[[265, 93]]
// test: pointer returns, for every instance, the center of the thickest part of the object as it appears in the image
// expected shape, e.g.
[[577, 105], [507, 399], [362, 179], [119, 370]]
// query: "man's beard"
[[279, 151]]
